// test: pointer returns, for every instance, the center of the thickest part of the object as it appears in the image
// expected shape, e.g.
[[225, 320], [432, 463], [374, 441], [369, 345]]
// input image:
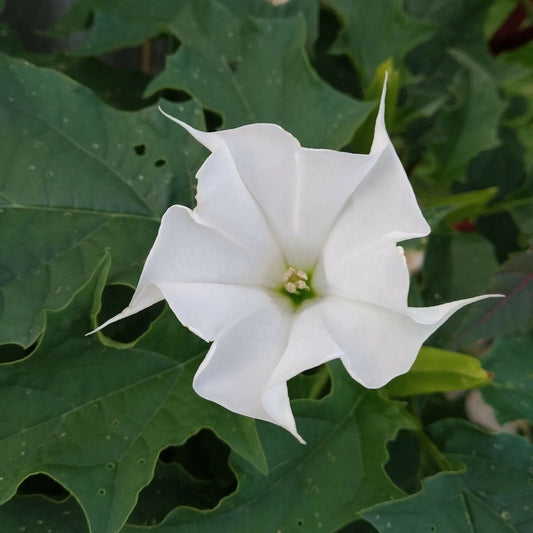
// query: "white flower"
[[290, 260]]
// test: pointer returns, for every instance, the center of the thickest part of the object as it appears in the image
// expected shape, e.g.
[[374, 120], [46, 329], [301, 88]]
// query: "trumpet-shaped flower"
[[290, 260]]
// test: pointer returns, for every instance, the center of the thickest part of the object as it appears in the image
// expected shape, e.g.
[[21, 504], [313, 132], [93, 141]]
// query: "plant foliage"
[[104, 433]]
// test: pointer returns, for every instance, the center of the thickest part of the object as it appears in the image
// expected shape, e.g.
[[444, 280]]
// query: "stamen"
[[301, 274], [290, 287], [295, 281]]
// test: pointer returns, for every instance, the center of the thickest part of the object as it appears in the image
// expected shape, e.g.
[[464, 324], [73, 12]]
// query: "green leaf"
[[438, 370], [455, 207], [511, 392], [252, 70], [120, 88], [493, 494], [79, 178], [38, 514], [375, 32], [95, 417], [457, 24], [320, 486], [468, 126], [502, 167], [116, 25], [499, 316], [268, 9], [522, 212], [521, 86], [457, 265], [521, 208]]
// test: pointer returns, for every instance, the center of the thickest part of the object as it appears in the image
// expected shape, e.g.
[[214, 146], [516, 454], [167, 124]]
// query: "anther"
[[295, 281]]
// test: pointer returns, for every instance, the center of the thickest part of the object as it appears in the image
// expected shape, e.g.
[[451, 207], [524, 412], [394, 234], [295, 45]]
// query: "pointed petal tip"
[[381, 112], [211, 140], [438, 314], [173, 118], [128, 311], [96, 330], [291, 428], [381, 138], [299, 439]]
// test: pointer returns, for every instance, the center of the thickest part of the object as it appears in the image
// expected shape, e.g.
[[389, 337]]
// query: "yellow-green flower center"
[[297, 285], [295, 281]]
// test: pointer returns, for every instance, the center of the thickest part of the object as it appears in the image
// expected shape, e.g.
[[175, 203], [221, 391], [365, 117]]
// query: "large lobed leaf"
[[467, 125], [494, 493], [320, 486], [95, 417], [78, 178], [116, 25], [253, 70], [376, 31]]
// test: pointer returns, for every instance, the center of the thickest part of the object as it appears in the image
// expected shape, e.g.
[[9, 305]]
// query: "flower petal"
[[211, 309], [310, 344], [187, 251], [224, 203], [377, 275], [264, 157], [237, 368], [374, 344], [290, 184], [384, 204], [325, 181]]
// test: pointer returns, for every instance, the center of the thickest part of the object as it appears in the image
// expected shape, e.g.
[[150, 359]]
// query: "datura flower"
[[290, 260]]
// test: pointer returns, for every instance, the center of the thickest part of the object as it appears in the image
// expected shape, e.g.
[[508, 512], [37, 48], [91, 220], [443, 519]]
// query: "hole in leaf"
[[101, 492], [140, 149], [43, 484], [114, 299], [160, 163], [359, 526], [14, 352], [195, 474], [234, 65], [173, 95], [204, 456], [300, 523], [213, 120]]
